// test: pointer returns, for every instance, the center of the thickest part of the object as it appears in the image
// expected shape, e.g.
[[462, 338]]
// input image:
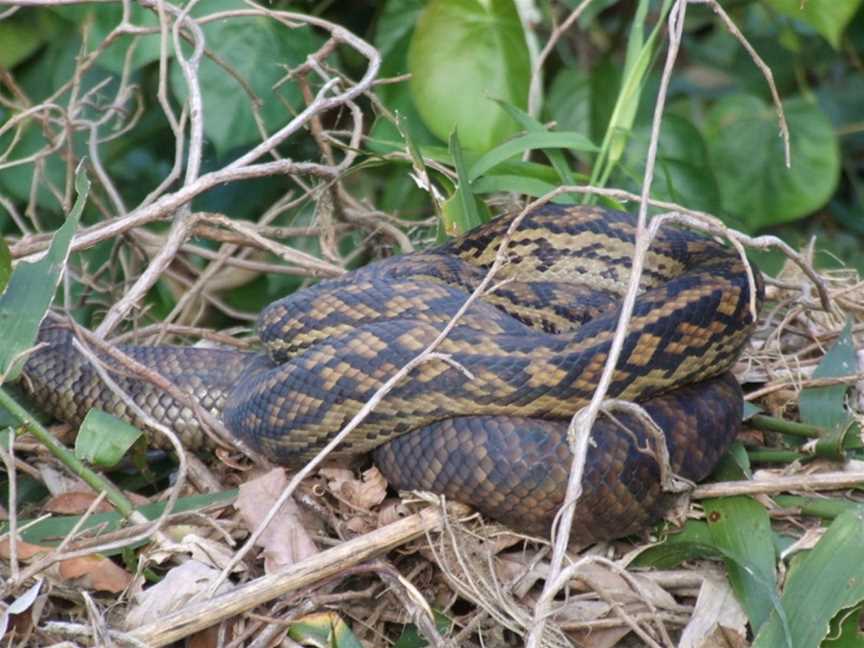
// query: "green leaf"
[[21, 35], [692, 542], [845, 630], [529, 142], [569, 101], [750, 410], [741, 529], [746, 154], [5, 264], [259, 50], [31, 289], [395, 25], [556, 157], [103, 439], [411, 638], [640, 52], [102, 20], [323, 630], [682, 173], [51, 531], [826, 580], [463, 55], [828, 17], [18, 179], [518, 184], [392, 38], [825, 406], [461, 213]]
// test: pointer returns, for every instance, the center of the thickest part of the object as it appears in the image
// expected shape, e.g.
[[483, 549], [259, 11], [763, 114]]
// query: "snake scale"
[[488, 426]]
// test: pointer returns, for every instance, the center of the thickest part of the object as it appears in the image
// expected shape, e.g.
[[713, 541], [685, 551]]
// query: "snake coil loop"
[[494, 434]]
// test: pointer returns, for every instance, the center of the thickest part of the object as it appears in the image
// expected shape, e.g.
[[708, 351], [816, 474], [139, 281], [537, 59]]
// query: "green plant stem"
[[827, 508], [91, 478], [776, 456], [771, 424]]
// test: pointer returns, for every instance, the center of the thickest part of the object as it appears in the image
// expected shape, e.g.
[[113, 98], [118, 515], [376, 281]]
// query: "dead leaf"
[[75, 503], [621, 590], [174, 591], [718, 621], [285, 540], [391, 511], [95, 572], [24, 550], [362, 494], [601, 638]]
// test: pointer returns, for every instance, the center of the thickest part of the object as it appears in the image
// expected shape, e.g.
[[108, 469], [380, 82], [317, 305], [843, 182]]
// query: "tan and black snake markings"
[[494, 435]]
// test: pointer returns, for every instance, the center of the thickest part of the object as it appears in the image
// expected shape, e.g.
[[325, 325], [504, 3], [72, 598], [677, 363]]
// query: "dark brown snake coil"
[[492, 431]]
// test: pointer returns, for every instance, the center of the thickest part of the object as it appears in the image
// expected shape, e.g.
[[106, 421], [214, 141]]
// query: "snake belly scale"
[[492, 431]]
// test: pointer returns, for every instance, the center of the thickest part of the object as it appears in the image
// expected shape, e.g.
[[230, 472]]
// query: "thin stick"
[[197, 616], [817, 482]]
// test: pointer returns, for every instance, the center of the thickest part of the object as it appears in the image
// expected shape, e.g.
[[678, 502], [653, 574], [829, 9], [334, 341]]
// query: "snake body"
[[485, 421]]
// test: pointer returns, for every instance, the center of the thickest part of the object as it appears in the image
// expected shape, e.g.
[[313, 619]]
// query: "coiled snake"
[[491, 431]]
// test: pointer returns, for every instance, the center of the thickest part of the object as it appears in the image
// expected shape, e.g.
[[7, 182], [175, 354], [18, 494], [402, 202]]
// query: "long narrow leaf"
[[31, 289], [531, 141]]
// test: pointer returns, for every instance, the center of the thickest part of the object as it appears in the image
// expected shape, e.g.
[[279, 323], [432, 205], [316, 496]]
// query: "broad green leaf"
[[826, 580], [845, 631], [31, 289], [569, 101], [323, 630], [103, 439], [682, 172], [529, 142], [741, 529], [825, 406], [394, 27], [393, 37], [463, 55], [828, 17], [21, 35], [746, 154], [692, 542], [259, 50]]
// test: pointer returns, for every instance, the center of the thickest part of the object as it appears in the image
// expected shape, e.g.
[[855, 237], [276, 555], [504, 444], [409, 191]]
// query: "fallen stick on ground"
[[319, 567]]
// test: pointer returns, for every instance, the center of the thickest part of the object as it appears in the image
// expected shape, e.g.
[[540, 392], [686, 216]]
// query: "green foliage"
[[461, 123], [31, 289], [820, 583], [258, 53], [104, 439], [464, 54], [826, 406], [828, 17], [747, 156]]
